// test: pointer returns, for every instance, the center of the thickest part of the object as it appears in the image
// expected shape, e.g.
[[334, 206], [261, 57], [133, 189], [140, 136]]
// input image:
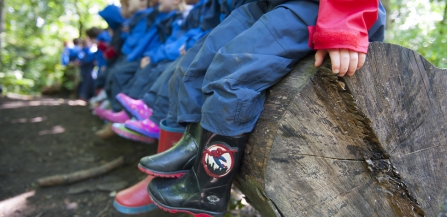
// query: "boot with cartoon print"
[[205, 190]]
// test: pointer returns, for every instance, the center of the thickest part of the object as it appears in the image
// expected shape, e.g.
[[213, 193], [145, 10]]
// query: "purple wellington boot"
[[136, 107]]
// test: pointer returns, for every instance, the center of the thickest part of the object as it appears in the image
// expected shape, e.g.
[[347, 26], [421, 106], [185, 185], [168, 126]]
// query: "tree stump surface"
[[369, 145]]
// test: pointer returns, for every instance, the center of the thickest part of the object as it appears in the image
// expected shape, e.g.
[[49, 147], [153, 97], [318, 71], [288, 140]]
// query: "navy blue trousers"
[[143, 79], [157, 97], [85, 88], [119, 76], [176, 78], [250, 51]]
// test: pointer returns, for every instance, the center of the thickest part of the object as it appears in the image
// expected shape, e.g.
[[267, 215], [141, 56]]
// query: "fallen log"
[[80, 175], [369, 145]]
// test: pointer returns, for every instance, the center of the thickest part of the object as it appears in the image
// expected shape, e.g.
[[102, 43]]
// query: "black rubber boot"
[[176, 161], [205, 190]]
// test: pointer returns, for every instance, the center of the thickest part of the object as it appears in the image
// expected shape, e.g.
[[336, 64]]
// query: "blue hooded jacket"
[[151, 38], [187, 31], [112, 15], [137, 29]]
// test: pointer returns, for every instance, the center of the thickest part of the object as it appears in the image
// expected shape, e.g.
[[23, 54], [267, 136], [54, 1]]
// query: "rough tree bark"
[[369, 145], [2, 27]]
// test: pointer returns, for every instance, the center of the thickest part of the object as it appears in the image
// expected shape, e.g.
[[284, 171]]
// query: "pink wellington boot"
[[100, 112], [116, 117], [146, 127], [136, 107]]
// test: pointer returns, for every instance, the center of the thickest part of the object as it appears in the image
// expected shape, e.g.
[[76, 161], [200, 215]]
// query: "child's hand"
[[343, 60], [182, 50], [145, 61]]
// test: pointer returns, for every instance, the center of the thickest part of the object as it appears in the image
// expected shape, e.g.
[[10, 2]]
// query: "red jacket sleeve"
[[343, 24]]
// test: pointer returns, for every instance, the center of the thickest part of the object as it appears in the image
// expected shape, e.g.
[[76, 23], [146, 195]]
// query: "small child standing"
[[86, 60]]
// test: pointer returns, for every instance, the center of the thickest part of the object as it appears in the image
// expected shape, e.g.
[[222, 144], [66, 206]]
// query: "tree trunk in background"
[[2, 28], [386, 5], [370, 145], [81, 24]]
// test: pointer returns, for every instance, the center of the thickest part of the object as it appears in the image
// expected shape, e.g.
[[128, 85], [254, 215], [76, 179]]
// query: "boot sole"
[[126, 135], [133, 210], [177, 174], [193, 212], [138, 130]]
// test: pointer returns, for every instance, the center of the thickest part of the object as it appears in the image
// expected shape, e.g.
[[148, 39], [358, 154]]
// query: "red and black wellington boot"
[[205, 190], [176, 161], [168, 136], [135, 199]]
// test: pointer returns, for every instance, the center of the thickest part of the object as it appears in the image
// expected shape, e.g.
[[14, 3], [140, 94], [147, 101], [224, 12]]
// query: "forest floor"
[[44, 136]]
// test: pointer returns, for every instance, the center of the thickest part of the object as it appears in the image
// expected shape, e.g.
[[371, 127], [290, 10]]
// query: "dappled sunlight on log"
[[56, 130], [10, 206]]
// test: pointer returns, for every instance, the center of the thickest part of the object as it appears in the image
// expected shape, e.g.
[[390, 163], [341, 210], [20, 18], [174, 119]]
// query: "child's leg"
[[241, 71], [134, 81], [123, 73], [190, 93], [161, 105], [145, 77], [100, 81], [157, 71], [150, 97], [174, 82]]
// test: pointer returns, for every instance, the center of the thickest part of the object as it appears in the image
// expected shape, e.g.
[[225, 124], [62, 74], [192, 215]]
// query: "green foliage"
[[35, 30], [33, 39], [420, 25]]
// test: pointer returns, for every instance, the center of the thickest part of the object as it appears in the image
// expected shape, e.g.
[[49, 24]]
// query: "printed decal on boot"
[[218, 159], [213, 199]]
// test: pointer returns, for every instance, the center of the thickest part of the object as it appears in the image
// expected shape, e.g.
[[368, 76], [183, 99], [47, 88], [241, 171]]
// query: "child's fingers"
[[334, 54], [344, 62], [319, 57], [362, 58], [353, 62]]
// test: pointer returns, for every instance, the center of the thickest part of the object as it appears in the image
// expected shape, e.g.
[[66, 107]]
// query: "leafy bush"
[[33, 40]]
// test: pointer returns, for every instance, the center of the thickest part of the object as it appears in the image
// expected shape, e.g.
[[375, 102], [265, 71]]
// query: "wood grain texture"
[[369, 145]]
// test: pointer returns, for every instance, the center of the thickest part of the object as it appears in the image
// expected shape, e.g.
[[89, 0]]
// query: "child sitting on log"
[[223, 91]]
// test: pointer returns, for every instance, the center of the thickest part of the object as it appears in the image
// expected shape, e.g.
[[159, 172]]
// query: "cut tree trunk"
[[369, 145]]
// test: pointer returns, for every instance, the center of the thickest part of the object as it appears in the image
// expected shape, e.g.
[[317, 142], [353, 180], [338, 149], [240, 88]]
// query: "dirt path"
[[48, 136]]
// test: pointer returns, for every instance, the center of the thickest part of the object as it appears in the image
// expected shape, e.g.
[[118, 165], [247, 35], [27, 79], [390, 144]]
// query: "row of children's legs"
[[199, 102]]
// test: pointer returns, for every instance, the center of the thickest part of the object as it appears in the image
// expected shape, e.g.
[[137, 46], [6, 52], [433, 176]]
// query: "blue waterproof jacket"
[[151, 38], [111, 14], [137, 28], [202, 18]]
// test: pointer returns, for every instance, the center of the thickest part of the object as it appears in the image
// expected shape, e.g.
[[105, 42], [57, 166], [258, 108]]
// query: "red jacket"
[[343, 24]]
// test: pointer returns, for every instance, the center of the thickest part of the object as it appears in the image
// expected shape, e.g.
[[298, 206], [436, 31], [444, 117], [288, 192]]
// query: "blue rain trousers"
[[250, 51]]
